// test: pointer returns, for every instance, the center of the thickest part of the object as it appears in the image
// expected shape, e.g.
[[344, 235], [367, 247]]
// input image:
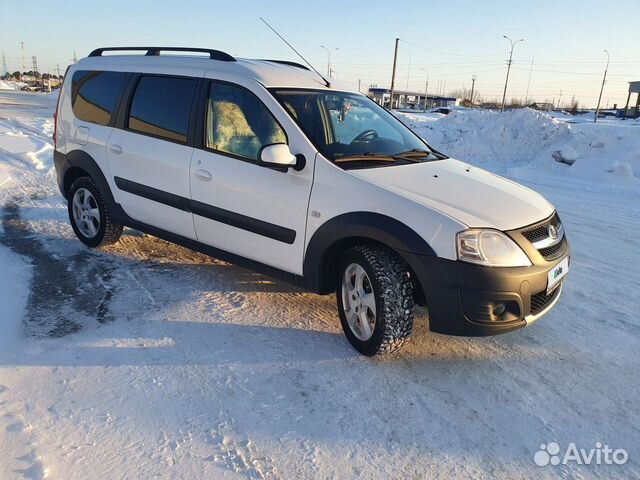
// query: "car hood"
[[469, 194]]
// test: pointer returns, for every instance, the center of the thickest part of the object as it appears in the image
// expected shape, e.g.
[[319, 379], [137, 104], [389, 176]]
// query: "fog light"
[[499, 309]]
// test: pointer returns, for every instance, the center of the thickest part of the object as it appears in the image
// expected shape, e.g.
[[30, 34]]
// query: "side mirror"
[[279, 156]]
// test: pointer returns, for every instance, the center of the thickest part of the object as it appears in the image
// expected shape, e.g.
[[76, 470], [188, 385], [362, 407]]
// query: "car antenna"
[[326, 82]]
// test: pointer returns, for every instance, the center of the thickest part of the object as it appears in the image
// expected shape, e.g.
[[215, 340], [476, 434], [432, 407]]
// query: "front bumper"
[[466, 299]]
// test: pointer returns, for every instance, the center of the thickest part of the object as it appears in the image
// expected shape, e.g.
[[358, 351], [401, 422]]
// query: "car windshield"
[[352, 130]]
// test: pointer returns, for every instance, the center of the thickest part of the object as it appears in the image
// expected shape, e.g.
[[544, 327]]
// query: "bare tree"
[[573, 108]]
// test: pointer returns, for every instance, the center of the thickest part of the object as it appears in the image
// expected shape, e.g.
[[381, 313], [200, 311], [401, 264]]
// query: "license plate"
[[557, 273]]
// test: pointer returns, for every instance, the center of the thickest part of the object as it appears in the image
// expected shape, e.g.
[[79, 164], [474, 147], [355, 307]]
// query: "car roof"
[[270, 73]]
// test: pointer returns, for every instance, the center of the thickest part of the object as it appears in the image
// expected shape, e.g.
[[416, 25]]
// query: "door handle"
[[203, 175], [117, 149]]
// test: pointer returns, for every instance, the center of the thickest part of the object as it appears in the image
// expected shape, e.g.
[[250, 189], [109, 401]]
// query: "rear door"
[[87, 111], [239, 206], [149, 155]]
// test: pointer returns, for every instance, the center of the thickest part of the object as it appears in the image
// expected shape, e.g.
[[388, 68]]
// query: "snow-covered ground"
[[147, 360]]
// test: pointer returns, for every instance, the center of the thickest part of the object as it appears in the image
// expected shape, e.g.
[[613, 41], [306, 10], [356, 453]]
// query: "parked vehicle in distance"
[[31, 88], [266, 164], [442, 110]]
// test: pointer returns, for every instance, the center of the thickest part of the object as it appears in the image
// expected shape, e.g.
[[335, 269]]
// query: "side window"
[[161, 106], [94, 95], [239, 123]]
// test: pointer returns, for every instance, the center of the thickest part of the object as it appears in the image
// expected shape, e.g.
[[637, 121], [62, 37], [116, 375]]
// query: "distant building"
[[408, 99], [543, 106], [634, 87]]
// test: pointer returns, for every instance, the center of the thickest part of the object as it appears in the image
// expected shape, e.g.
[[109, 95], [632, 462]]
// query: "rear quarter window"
[[161, 107], [94, 95]]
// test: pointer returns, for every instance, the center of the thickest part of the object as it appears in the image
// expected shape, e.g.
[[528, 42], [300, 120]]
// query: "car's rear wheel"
[[375, 299], [89, 215]]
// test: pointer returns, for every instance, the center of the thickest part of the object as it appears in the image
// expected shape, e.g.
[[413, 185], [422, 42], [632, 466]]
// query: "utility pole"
[[75, 58], [426, 89], [4, 64], [24, 67], [604, 79], [526, 96], [506, 81], [393, 74], [58, 69], [426, 93], [329, 51], [35, 70], [559, 97], [473, 84], [359, 82]]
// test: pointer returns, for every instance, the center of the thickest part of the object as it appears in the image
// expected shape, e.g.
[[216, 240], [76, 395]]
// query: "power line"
[[448, 53], [429, 64], [577, 73]]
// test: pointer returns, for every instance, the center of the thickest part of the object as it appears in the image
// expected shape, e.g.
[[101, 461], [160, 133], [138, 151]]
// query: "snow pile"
[[488, 137], [608, 149], [11, 85], [17, 141], [528, 139]]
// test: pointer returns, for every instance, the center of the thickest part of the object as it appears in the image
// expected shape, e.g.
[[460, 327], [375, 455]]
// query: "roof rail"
[[154, 51], [287, 62]]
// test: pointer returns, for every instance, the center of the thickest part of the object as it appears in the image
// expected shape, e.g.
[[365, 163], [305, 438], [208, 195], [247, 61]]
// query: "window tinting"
[[161, 107], [239, 123], [94, 95]]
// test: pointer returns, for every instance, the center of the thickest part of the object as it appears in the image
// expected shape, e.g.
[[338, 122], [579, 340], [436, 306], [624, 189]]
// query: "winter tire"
[[375, 299], [89, 215]]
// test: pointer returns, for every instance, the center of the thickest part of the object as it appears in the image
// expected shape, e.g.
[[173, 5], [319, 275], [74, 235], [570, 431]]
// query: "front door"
[[237, 205]]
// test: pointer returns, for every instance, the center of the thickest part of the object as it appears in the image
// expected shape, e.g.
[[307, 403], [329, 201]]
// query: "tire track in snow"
[[66, 291]]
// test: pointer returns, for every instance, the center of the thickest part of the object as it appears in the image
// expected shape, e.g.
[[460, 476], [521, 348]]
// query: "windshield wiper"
[[367, 157], [410, 156], [415, 153]]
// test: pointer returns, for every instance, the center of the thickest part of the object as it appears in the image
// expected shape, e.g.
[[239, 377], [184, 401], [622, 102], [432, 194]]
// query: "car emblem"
[[552, 231]]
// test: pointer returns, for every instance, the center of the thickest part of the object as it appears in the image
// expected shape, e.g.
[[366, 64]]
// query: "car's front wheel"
[[375, 299], [89, 215]]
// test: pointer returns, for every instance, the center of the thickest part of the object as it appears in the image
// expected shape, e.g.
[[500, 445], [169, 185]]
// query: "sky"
[[448, 41]]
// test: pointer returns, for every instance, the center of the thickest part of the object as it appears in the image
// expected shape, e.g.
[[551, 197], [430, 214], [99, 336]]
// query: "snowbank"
[[18, 142], [11, 85], [535, 140]]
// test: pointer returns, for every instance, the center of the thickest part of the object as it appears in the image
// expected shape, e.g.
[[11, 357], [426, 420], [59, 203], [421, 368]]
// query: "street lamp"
[[426, 89], [473, 84], [604, 78], [506, 81], [329, 52]]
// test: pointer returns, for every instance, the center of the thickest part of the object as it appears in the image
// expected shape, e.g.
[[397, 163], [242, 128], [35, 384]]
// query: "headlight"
[[490, 247]]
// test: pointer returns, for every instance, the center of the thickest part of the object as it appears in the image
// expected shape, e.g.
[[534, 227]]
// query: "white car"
[[268, 165]]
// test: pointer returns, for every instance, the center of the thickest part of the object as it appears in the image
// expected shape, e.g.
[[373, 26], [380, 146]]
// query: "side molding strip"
[[250, 224], [154, 194], [253, 225]]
